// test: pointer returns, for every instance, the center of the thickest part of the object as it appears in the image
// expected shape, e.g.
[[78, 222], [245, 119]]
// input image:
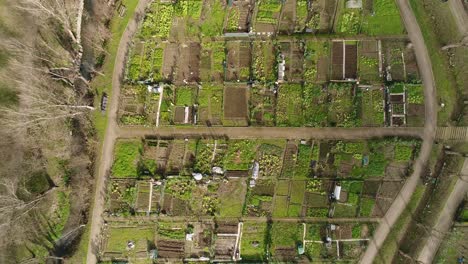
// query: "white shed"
[[337, 191]]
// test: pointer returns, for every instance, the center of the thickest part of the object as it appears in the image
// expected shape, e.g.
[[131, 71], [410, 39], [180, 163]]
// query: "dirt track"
[[425, 67], [105, 158], [445, 219], [460, 16], [271, 132]]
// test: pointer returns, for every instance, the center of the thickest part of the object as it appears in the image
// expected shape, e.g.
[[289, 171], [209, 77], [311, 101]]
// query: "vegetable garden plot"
[[202, 240], [143, 196], [262, 105], [267, 15], [212, 19], [415, 99], [210, 104], [121, 197], [264, 61], [137, 106], [393, 59], [289, 160], [158, 20], [188, 63], [171, 55], [289, 105], [185, 98], [170, 240], [372, 106], [348, 20], [270, 160], [239, 16], [316, 61], [343, 105], [235, 109], [240, 154], [177, 158], [238, 61], [293, 53], [369, 62], [126, 158], [259, 199], [210, 153], [212, 61], [324, 15], [287, 21], [315, 105], [344, 60]]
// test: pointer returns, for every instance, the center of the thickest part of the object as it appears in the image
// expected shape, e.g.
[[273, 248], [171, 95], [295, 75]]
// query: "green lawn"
[[232, 202], [119, 237], [285, 235], [280, 206], [126, 157], [385, 19], [253, 243]]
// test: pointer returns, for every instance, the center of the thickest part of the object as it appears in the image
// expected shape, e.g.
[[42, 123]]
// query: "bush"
[[403, 153]]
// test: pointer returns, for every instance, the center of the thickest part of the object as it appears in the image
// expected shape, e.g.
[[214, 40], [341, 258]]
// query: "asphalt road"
[[425, 68]]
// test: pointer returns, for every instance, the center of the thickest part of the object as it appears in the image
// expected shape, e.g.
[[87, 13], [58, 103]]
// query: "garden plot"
[[415, 99], [145, 63], [284, 240], [348, 20], [293, 54], [187, 14], [235, 109], [315, 105], [238, 61], [254, 244], [210, 104], [240, 155], [287, 22], [143, 194], [369, 62], [188, 63], [289, 198], [180, 158], [157, 151], [184, 111], [316, 202], [212, 61], [289, 107], [170, 240], [262, 105], [212, 18], [231, 195], [323, 15], [348, 203], [259, 199], [269, 160], [289, 160], [343, 105], [267, 15], [316, 61], [399, 61], [177, 195], [396, 105], [372, 106], [158, 20], [202, 239], [226, 240], [381, 17], [364, 159], [121, 197], [128, 242], [137, 105], [264, 61], [210, 154], [126, 158], [344, 60], [170, 59], [239, 16]]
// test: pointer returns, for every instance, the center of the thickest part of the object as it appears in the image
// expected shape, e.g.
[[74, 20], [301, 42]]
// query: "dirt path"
[[105, 158], [460, 16], [425, 68], [445, 219], [271, 132]]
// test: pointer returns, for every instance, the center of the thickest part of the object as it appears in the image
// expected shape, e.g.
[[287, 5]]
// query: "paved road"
[[105, 158], [272, 132], [445, 219], [460, 16], [425, 68]]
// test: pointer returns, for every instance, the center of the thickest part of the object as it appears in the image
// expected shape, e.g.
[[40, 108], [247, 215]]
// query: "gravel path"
[[425, 68], [105, 157]]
